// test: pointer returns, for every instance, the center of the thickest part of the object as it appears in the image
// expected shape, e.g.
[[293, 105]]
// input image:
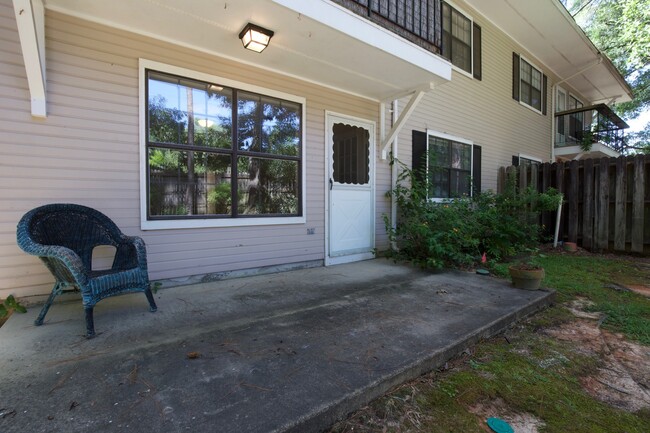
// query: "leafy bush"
[[456, 232]]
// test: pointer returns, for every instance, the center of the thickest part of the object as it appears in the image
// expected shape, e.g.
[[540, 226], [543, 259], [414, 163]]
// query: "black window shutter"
[[418, 154], [476, 169], [515, 76], [515, 160], [544, 97], [478, 67]]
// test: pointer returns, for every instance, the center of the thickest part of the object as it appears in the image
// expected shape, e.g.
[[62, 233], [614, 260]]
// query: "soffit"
[[304, 46], [546, 30]]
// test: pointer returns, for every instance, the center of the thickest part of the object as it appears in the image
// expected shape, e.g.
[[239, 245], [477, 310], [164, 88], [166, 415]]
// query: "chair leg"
[[48, 304], [90, 322], [152, 303]]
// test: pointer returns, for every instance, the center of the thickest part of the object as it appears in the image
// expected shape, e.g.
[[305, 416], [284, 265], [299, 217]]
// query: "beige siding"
[[484, 111], [87, 151]]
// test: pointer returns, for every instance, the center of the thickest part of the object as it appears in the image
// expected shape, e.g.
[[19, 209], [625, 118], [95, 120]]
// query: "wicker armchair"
[[63, 236]]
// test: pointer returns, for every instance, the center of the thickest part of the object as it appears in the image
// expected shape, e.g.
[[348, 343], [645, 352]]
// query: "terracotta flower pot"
[[570, 247], [529, 279]]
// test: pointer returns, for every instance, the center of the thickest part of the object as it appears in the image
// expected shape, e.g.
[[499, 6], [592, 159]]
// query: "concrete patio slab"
[[287, 352]]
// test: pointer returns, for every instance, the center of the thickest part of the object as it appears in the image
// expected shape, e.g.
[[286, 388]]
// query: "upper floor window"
[[461, 40], [214, 151], [528, 84]]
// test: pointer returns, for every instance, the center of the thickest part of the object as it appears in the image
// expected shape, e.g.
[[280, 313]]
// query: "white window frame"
[[146, 224], [566, 99], [469, 74], [541, 82], [445, 136]]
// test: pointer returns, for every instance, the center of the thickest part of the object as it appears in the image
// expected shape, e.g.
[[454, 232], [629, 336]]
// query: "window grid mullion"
[[234, 183]]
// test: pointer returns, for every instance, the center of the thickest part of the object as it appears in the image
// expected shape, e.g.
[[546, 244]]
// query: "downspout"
[[394, 167], [553, 108]]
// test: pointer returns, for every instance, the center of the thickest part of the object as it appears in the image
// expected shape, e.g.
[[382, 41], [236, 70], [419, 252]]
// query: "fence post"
[[523, 178], [638, 196], [501, 180], [588, 203], [621, 201], [602, 207]]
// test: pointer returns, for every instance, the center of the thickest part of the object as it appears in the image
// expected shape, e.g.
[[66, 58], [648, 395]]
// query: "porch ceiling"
[[548, 31], [310, 41]]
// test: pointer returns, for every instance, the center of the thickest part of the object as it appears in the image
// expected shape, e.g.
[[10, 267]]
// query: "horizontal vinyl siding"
[[484, 111], [87, 151]]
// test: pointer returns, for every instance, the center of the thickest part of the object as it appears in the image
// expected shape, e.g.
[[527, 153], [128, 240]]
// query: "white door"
[[351, 190]]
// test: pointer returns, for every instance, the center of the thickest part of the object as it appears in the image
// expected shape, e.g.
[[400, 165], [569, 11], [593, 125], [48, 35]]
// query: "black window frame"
[[234, 152], [420, 161], [517, 80], [446, 50]]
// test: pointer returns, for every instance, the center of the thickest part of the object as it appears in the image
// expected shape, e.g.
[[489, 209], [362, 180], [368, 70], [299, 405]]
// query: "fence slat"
[[638, 196], [523, 178], [501, 180], [621, 198], [588, 203], [601, 241], [588, 214], [572, 196]]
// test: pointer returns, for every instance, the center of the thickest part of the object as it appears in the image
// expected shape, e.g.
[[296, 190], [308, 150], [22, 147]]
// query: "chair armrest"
[[67, 257], [131, 251]]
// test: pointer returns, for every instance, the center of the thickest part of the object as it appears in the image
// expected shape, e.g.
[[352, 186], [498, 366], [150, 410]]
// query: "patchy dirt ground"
[[520, 422], [623, 377]]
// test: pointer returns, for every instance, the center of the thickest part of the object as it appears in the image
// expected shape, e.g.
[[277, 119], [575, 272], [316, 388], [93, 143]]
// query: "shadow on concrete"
[[292, 351]]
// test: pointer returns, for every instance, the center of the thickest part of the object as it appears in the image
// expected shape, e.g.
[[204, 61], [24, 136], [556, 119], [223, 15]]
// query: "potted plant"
[[527, 274]]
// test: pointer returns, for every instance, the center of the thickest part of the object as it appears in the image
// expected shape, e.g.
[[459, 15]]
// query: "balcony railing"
[[418, 21], [588, 125]]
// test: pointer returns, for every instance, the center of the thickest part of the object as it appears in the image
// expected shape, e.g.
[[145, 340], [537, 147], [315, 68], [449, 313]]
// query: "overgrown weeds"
[[456, 232]]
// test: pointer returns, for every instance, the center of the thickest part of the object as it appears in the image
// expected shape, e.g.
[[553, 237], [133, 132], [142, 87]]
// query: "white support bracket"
[[30, 18], [416, 97]]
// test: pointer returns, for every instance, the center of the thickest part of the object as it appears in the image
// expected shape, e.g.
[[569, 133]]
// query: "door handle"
[[331, 184]]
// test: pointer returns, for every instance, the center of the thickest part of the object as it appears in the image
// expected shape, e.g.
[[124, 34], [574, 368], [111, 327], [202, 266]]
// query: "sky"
[[639, 123]]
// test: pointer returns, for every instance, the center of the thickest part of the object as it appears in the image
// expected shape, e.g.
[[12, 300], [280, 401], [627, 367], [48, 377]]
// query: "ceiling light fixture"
[[255, 38]]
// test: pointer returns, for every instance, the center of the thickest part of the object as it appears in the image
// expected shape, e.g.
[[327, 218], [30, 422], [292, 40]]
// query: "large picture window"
[[214, 151]]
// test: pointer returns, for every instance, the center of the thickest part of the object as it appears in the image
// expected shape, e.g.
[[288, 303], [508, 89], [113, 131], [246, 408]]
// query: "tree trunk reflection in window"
[[199, 166]]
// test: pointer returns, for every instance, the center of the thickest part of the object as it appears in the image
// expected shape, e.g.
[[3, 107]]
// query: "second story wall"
[[484, 111]]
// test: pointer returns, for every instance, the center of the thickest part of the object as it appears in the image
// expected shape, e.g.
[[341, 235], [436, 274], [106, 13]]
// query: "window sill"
[[215, 223], [531, 108]]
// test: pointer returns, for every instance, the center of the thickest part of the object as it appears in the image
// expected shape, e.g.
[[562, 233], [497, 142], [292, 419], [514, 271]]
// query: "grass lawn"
[[528, 374]]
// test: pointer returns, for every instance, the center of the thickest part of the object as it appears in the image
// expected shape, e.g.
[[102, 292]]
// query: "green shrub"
[[456, 232]]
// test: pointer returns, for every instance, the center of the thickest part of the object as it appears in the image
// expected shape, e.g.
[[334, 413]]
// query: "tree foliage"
[[621, 29]]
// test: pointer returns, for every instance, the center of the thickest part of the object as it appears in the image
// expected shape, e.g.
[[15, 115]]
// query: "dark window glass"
[[185, 183], [530, 87], [193, 167], [456, 38], [449, 168], [351, 161], [267, 186]]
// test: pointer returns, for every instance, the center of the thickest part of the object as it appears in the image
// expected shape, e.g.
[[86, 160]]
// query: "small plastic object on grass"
[[499, 426]]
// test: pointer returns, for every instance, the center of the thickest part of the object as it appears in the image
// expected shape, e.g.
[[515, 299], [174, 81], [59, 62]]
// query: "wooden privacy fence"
[[606, 201]]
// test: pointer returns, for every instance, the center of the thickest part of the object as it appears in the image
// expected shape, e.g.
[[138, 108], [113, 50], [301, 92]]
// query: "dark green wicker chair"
[[63, 236]]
